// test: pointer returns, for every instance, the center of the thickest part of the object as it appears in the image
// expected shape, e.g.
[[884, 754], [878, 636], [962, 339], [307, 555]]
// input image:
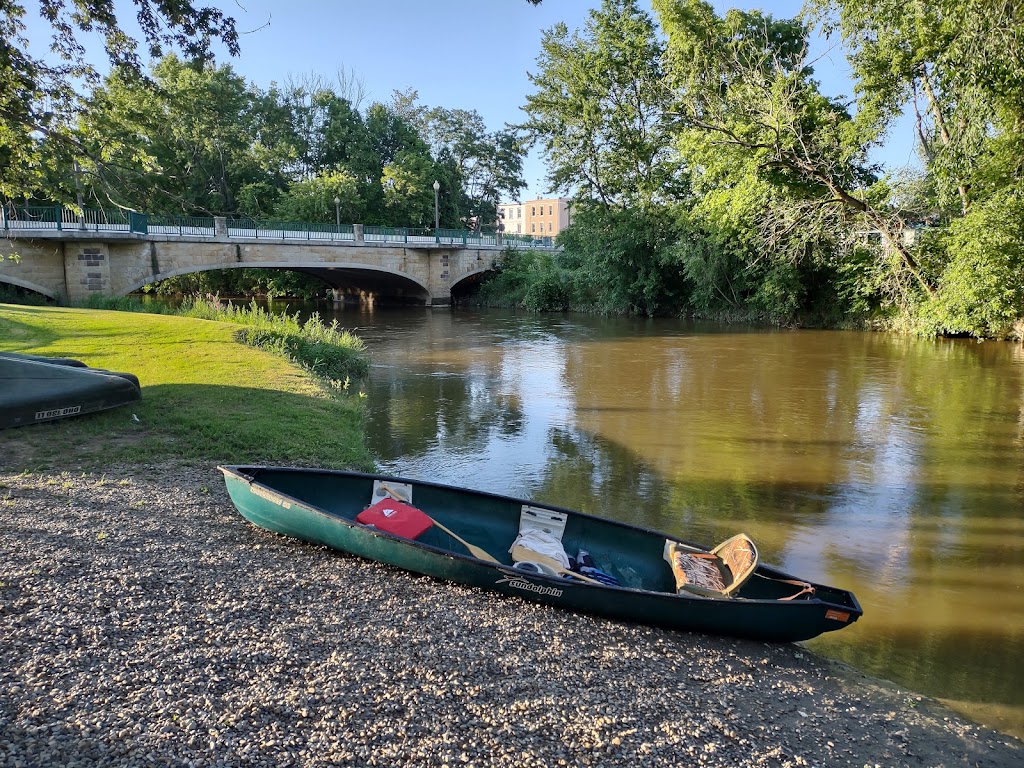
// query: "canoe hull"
[[35, 389], [302, 518]]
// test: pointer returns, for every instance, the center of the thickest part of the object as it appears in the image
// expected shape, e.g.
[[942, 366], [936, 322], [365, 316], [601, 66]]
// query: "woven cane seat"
[[718, 573]]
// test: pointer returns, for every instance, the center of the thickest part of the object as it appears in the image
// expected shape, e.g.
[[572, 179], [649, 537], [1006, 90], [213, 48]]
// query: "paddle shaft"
[[522, 554], [475, 551]]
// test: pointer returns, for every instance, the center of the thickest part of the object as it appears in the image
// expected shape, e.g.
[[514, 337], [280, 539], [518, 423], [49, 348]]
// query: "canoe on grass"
[[466, 536], [34, 389]]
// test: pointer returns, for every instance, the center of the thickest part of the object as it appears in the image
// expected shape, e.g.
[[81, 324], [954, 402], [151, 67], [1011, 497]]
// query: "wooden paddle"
[[474, 551], [520, 554]]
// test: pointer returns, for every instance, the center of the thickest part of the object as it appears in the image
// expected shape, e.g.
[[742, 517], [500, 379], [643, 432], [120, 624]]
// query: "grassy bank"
[[206, 396], [328, 351]]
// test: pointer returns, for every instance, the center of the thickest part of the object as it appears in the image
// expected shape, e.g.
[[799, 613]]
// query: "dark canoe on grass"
[[320, 506], [34, 389]]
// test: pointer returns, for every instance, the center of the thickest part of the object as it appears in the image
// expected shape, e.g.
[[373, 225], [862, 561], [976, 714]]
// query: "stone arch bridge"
[[71, 264]]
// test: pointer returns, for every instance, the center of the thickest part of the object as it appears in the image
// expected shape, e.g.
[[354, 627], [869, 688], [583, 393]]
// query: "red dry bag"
[[395, 517]]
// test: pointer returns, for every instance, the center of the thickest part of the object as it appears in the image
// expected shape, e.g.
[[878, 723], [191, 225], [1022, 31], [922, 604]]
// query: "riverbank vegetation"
[[709, 172], [327, 351], [205, 396], [715, 177]]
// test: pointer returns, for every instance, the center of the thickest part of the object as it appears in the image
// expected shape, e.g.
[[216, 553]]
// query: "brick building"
[[541, 218]]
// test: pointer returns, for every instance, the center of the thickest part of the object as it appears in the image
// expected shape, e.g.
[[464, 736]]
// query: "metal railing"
[[60, 218], [182, 225], [57, 217], [289, 230], [386, 234]]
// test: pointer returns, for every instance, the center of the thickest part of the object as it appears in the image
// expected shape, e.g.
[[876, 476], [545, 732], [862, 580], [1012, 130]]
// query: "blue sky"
[[466, 54]]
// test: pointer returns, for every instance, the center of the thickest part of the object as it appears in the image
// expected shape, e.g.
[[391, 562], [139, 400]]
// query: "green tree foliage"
[[313, 199], [408, 188], [599, 106], [323, 125], [779, 213], [745, 94], [40, 96], [599, 111], [981, 290], [626, 260], [533, 280], [196, 138], [197, 151], [959, 66], [487, 164]]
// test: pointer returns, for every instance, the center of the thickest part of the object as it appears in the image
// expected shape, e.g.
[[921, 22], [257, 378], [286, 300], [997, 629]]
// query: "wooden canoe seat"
[[718, 573]]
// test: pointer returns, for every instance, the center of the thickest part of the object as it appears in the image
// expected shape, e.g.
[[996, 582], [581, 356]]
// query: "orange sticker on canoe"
[[837, 615]]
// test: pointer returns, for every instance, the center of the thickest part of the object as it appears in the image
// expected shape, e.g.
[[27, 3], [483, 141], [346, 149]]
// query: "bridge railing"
[[59, 218], [289, 230], [528, 241], [376, 234], [203, 226]]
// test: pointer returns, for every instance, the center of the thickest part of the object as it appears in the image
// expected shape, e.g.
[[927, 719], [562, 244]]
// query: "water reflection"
[[887, 465]]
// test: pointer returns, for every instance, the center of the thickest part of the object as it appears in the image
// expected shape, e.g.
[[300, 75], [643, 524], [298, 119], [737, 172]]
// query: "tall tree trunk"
[[940, 125]]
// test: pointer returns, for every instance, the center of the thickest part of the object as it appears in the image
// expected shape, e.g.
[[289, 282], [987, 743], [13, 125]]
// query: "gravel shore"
[[144, 622]]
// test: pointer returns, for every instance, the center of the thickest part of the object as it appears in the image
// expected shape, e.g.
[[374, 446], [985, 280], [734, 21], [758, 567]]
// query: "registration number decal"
[[56, 413]]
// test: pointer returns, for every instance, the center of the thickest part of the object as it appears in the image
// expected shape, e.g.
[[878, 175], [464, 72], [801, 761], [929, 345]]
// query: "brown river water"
[[884, 464]]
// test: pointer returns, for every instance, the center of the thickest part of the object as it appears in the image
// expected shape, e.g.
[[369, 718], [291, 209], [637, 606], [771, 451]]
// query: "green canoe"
[[467, 537], [34, 389]]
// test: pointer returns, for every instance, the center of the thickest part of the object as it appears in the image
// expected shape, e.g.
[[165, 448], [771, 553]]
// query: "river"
[[888, 465]]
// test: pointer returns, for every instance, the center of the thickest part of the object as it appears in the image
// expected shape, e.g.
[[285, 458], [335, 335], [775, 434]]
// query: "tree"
[[744, 92], [959, 66], [313, 199], [183, 144], [327, 130], [487, 164], [39, 96], [407, 183], [599, 110], [624, 260]]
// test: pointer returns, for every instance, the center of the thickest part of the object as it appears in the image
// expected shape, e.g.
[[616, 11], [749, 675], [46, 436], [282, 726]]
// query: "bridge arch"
[[347, 274], [11, 280], [473, 276]]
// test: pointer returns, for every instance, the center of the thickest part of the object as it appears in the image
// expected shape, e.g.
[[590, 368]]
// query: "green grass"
[[328, 351], [206, 397]]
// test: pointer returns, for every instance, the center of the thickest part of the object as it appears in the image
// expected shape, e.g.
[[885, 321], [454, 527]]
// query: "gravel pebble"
[[144, 622]]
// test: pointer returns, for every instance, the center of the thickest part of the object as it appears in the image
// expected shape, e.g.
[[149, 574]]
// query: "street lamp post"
[[337, 211], [437, 224]]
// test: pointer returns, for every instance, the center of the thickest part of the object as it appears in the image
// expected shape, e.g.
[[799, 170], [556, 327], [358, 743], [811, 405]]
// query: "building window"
[[549, 210], [519, 213], [533, 210], [533, 227]]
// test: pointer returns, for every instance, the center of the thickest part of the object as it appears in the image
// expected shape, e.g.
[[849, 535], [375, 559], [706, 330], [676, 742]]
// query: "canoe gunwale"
[[765, 571]]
